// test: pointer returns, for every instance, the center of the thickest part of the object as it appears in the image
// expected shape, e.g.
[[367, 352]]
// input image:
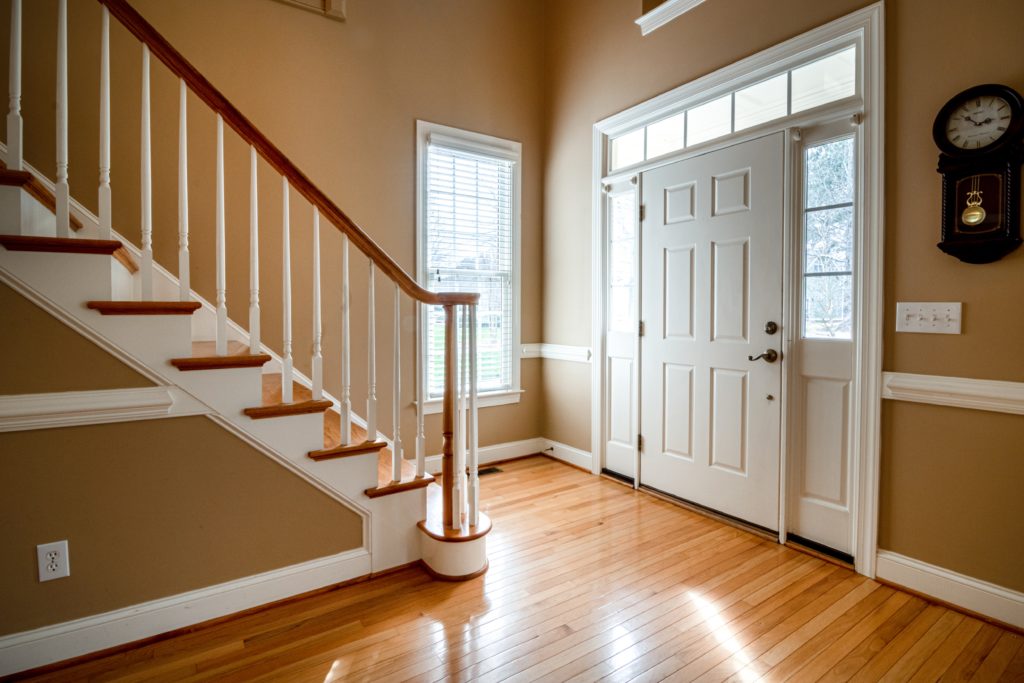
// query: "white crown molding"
[[958, 392], [664, 13], [579, 354], [73, 408], [986, 598], [30, 649]]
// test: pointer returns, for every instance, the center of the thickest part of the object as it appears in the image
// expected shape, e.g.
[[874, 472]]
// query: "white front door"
[[711, 281]]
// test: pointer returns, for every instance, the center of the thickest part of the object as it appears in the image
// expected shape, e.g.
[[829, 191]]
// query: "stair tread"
[[386, 486], [69, 245], [144, 307], [204, 357], [433, 525], [271, 405], [35, 187]]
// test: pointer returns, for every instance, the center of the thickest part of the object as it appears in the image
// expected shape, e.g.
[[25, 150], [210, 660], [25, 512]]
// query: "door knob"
[[769, 356]]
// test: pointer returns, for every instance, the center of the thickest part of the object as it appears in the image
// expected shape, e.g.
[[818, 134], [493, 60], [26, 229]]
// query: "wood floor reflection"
[[590, 580]]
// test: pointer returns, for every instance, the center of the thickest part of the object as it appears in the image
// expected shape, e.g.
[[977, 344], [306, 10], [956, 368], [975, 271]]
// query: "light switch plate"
[[929, 317]]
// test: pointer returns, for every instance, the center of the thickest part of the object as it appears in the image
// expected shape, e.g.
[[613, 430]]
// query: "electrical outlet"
[[53, 560]]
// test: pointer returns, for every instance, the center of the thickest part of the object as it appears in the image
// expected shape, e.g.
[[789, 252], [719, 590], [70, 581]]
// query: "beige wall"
[[44, 355], [951, 489], [148, 515], [138, 502], [599, 64], [341, 100]]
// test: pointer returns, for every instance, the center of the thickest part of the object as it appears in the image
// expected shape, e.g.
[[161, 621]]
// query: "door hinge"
[[639, 442], [643, 212], [640, 328]]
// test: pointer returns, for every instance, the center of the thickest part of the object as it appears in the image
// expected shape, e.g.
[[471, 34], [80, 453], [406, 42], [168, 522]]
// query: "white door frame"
[[866, 110]]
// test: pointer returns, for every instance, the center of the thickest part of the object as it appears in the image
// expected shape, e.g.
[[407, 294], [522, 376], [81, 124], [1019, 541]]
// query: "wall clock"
[[980, 134]]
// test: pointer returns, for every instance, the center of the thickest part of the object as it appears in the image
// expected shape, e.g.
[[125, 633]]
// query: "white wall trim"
[[30, 649], [520, 449], [72, 408], [982, 597], [579, 354], [569, 454], [958, 392], [664, 13]]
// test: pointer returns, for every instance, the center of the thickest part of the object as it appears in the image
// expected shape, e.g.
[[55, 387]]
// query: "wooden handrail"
[[165, 52]]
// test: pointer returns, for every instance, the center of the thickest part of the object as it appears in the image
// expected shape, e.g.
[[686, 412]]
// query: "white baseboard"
[[49, 644], [982, 597], [573, 456], [519, 449]]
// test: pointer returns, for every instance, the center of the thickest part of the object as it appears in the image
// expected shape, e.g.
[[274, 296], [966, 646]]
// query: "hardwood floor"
[[590, 580]]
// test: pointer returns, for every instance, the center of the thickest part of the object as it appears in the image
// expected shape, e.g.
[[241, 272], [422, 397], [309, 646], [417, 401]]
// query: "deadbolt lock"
[[771, 327]]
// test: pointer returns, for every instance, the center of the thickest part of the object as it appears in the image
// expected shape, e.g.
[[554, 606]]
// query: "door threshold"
[[621, 478], [736, 522], [819, 550]]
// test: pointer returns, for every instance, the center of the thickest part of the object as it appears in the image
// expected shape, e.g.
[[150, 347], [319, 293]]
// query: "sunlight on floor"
[[724, 635]]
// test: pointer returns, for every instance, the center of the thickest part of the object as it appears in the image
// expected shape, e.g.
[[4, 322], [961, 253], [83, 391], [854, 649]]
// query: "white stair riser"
[[68, 279], [293, 436], [20, 214], [229, 391]]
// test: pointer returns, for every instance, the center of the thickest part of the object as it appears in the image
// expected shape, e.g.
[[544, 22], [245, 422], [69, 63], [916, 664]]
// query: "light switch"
[[929, 317]]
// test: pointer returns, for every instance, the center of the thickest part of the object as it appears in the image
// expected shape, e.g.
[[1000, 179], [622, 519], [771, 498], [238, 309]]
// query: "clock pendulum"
[[974, 214]]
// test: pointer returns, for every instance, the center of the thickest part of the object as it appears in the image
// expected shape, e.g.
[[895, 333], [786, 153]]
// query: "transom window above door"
[[799, 88]]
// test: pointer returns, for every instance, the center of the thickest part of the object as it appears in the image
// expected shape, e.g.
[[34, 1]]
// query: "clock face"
[[978, 122]]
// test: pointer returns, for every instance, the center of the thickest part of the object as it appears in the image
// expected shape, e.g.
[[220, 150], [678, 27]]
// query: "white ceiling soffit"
[[664, 13]]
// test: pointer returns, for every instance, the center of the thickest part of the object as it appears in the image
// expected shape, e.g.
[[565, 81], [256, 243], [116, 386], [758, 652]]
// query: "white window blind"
[[468, 244]]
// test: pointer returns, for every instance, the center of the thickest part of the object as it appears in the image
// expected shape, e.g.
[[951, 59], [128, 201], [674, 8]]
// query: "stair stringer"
[[60, 283]]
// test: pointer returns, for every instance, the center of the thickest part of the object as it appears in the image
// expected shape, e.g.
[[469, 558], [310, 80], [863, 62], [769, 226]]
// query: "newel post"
[[448, 420]]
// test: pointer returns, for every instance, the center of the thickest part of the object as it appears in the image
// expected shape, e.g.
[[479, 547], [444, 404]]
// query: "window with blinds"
[[467, 242]]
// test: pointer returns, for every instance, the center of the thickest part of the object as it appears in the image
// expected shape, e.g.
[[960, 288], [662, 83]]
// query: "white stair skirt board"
[[957, 392], [49, 644], [74, 408], [985, 598], [520, 449]]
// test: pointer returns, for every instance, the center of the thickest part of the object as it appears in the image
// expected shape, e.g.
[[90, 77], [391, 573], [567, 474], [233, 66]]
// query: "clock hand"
[[968, 118]]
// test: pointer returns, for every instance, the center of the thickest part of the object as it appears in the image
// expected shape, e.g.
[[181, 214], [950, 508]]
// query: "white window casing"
[[468, 203]]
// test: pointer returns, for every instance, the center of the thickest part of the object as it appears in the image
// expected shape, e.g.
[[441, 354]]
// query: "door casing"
[[866, 113]]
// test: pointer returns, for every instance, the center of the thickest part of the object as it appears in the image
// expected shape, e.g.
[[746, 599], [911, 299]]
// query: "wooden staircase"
[[74, 261]]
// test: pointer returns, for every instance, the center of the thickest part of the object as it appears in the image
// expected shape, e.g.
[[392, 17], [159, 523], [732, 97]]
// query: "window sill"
[[497, 398]]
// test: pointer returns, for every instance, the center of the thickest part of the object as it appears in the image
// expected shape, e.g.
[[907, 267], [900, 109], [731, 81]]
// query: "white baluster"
[[184, 285], [346, 369], [421, 385], [371, 333], [396, 402], [62, 194], [318, 360], [457, 439], [286, 290], [104, 201], [146, 185], [464, 387], [474, 456], [222, 287], [14, 122], [254, 255]]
